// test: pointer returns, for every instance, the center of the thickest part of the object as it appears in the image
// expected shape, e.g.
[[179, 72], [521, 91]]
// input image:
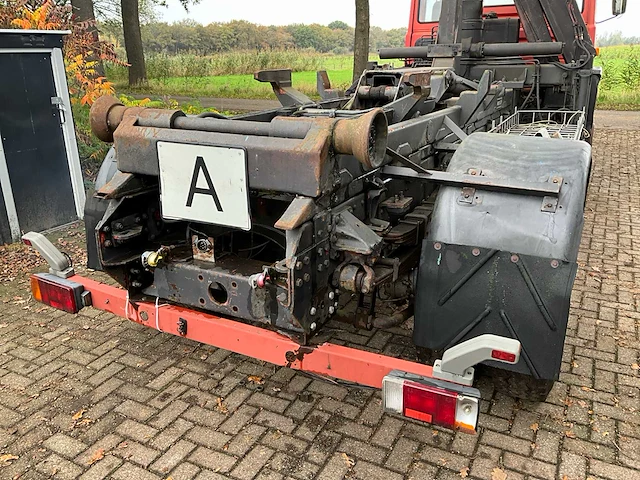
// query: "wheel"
[[519, 385]]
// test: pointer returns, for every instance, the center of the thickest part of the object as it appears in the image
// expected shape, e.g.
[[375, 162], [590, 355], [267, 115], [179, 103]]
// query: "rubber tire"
[[518, 385]]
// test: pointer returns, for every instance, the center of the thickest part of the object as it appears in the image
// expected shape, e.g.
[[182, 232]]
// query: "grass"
[[230, 75], [620, 85], [233, 86]]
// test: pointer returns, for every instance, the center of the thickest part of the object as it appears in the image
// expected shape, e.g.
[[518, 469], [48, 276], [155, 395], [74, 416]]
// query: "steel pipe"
[[477, 50]]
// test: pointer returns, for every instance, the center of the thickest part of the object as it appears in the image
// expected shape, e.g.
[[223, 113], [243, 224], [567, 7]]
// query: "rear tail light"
[[58, 292], [433, 401]]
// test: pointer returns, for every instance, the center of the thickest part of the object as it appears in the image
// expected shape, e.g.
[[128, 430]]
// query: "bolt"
[[555, 180], [108, 243], [332, 310], [335, 304], [299, 282], [475, 252], [555, 264], [320, 252], [515, 258], [106, 229], [144, 316], [298, 265], [466, 195], [138, 219], [549, 205], [307, 277], [320, 232], [313, 311], [313, 326], [320, 267], [467, 409], [326, 263], [119, 226], [437, 246], [332, 295], [473, 172], [136, 284], [306, 260]]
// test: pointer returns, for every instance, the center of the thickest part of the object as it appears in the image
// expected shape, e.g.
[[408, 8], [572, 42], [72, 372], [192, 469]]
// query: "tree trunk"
[[83, 11], [361, 40], [133, 42]]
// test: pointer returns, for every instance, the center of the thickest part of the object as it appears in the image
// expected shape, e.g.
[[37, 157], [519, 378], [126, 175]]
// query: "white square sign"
[[204, 184]]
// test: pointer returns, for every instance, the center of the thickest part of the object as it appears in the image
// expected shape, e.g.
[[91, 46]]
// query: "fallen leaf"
[[222, 408], [78, 415], [6, 459], [582, 403], [255, 379], [464, 473], [97, 455], [587, 389], [570, 434], [498, 474], [534, 427], [348, 460], [635, 366], [565, 477]]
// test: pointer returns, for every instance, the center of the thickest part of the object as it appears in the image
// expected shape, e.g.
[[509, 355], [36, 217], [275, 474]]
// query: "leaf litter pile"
[[17, 260]]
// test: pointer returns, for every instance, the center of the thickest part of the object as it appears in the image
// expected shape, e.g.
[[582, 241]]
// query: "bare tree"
[[361, 40], [133, 41]]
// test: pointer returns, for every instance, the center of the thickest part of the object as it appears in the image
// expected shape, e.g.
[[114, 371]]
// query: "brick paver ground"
[[94, 396]]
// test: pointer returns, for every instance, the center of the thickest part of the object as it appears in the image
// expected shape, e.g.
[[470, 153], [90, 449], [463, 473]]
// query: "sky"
[[384, 13]]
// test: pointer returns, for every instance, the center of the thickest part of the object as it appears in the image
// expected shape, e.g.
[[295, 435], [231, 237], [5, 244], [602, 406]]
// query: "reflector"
[[57, 292], [504, 356]]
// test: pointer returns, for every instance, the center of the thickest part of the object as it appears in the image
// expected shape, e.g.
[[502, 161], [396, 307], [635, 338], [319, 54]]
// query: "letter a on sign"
[[201, 167], [204, 184]]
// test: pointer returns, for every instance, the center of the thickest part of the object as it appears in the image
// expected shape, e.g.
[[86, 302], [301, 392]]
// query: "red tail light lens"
[[57, 292], [504, 356], [430, 404]]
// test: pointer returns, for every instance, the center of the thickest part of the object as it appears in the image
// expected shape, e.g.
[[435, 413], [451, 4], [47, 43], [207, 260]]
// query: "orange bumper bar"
[[350, 364]]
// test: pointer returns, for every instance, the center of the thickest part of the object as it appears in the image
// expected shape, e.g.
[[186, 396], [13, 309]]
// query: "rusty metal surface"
[[365, 138], [105, 116], [300, 211]]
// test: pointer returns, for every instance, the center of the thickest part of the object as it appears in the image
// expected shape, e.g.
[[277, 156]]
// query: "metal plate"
[[204, 184]]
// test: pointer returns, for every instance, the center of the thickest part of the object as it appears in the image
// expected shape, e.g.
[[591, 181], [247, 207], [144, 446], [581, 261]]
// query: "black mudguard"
[[502, 263]]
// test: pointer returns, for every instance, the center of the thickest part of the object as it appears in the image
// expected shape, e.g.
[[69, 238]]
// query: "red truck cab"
[[425, 14]]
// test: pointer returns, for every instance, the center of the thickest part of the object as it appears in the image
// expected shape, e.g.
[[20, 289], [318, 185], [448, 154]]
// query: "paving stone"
[[252, 462], [172, 457], [64, 445]]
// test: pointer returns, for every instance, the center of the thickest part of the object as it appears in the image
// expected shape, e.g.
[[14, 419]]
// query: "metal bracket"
[[504, 185], [59, 263], [203, 249], [467, 195], [549, 204]]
